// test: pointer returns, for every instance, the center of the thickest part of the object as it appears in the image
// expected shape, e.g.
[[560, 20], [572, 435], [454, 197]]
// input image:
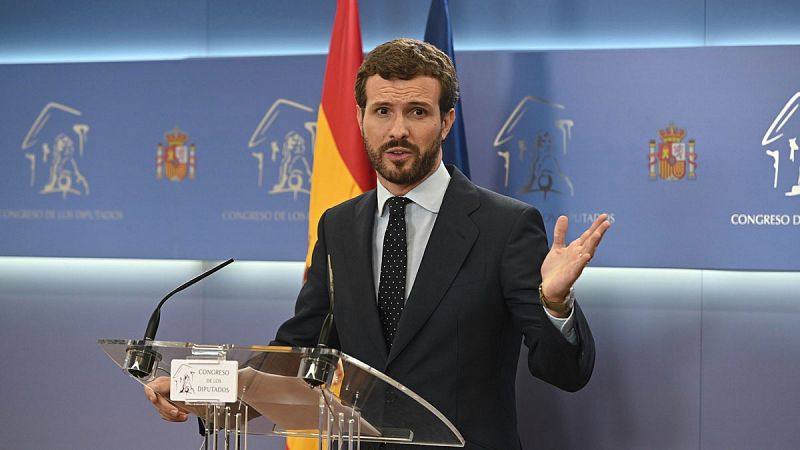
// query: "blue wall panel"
[[750, 360], [645, 388], [743, 22], [571, 132], [686, 358], [51, 30]]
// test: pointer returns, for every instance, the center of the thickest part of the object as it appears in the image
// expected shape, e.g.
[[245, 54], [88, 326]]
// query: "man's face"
[[403, 130]]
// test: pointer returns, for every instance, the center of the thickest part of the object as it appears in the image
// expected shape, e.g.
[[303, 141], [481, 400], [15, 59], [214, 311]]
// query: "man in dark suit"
[[475, 276]]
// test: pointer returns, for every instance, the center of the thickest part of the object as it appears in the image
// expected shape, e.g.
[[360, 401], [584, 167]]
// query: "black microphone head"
[[325, 331], [142, 361], [318, 368], [152, 325]]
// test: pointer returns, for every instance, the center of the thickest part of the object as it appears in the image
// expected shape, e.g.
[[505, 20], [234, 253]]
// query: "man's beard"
[[421, 165]]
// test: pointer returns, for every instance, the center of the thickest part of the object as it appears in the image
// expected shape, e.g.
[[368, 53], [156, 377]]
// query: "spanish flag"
[[341, 167]]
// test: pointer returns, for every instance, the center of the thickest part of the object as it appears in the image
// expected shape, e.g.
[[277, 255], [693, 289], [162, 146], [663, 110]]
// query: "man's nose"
[[399, 128]]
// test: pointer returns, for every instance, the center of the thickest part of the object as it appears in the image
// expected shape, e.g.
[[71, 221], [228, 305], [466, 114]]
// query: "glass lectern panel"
[[276, 391]]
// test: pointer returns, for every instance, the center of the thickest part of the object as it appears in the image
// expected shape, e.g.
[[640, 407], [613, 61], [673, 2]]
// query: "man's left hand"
[[564, 263]]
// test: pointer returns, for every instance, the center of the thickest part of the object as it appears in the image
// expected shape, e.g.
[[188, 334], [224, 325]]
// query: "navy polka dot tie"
[[392, 287]]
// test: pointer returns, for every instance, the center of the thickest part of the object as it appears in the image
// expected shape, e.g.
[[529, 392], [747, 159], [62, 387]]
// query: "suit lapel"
[[362, 292], [450, 242]]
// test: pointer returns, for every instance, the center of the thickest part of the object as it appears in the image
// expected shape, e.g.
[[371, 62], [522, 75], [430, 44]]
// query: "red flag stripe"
[[338, 97]]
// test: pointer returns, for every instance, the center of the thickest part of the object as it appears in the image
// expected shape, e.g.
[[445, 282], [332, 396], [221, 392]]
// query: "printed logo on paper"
[[183, 380], [203, 381]]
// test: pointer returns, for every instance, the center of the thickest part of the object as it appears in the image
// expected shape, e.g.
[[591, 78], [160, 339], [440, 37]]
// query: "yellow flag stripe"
[[331, 180]]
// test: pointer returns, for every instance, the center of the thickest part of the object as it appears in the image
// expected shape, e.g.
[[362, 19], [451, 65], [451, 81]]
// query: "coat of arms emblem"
[[672, 161], [177, 160]]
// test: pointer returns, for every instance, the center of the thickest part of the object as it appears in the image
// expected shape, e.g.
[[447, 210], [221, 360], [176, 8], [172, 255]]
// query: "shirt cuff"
[[566, 326]]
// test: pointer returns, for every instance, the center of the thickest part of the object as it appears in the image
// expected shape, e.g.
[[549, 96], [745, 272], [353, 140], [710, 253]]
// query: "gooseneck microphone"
[[327, 325], [141, 360], [152, 325], [317, 368]]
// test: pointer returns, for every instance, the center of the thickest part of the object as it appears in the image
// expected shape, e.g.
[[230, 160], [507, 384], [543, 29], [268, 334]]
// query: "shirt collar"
[[429, 194]]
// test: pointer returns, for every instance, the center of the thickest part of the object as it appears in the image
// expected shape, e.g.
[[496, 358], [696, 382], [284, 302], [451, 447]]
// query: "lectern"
[[317, 393]]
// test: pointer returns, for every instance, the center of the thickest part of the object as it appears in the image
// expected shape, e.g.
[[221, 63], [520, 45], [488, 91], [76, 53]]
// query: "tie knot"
[[397, 205]]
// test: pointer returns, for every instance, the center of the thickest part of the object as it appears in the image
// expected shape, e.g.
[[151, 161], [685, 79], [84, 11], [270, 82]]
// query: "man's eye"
[[382, 111], [418, 112]]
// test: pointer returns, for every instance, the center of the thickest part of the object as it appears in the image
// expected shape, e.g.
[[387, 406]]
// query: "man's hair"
[[404, 59]]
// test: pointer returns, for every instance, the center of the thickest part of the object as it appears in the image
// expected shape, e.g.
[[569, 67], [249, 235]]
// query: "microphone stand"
[[317, 369], [141, 361]]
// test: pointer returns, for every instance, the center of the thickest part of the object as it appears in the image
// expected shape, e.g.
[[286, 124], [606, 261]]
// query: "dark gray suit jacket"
[[474, 300]]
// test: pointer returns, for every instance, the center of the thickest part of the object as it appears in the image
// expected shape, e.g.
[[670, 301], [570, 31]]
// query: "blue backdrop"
[[689, 150]]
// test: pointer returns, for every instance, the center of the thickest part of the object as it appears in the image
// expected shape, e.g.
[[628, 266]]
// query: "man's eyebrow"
[[411, 103]]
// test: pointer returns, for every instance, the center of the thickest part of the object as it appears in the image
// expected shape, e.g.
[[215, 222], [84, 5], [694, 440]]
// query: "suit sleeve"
[[550, 356], [302, 330]]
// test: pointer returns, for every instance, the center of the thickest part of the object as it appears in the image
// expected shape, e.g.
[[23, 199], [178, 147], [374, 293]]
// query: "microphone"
[[327, 325], [317, 369], [140, 362], [152, 325]]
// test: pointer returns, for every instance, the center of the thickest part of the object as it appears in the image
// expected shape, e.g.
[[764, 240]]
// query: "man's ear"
[[359, 118], [447, 122]]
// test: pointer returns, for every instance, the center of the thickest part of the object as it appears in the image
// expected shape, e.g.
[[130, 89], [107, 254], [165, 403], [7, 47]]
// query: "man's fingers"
[[560, 231], [600, 224], [174, 416], [599, 232], [601, 219], [170, 412], [157, 392], [593, 240], [151, 395]]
